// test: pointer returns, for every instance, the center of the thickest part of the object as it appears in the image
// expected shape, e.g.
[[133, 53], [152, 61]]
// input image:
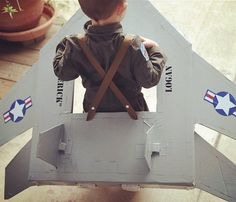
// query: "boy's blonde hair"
[[99, 9]]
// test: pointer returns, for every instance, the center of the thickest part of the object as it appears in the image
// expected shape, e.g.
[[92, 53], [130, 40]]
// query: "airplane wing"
[[159, 149], [217, 108], [16, 107]]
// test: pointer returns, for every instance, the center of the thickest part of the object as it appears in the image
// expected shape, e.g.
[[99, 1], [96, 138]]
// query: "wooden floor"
[[17, 58]]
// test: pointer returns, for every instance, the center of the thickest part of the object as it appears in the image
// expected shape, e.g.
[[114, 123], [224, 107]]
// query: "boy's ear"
[[121, 8]]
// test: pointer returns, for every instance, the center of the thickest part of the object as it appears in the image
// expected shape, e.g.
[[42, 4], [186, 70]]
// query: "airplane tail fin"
[[214, 172], [50, 144], [16, 173]]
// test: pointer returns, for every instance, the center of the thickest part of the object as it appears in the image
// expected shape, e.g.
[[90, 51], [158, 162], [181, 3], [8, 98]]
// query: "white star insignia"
[[224, 103], [17, 111]]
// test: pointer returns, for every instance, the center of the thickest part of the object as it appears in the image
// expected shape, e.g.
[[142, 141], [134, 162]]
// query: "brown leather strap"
[[107, 77]]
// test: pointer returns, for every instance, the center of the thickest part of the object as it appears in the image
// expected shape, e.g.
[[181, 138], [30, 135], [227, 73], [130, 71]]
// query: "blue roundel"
[[232, 99], [17, 110], [222, 111]]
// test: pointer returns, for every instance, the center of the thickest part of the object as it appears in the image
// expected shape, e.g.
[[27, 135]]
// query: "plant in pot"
[[20, 15], [24, 20]]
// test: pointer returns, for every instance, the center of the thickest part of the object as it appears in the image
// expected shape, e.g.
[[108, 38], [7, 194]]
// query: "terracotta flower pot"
[[27, 15], [40, 30]]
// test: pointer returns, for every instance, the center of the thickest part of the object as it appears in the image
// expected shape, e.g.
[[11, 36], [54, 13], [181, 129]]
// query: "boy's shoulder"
[[73, 37], [137, 45], [136, 41], [71, 40]]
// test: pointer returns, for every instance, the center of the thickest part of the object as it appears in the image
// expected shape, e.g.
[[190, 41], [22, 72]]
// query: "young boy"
[[141, 67]]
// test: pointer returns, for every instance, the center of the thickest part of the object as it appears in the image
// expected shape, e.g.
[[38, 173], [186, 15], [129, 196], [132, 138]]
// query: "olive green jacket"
[[139, 68]]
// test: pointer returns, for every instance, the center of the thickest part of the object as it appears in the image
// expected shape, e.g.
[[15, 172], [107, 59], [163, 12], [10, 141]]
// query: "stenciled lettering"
[[168, 79], [59, 97]]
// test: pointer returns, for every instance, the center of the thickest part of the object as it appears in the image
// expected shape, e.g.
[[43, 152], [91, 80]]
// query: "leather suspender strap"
[[107, 77]]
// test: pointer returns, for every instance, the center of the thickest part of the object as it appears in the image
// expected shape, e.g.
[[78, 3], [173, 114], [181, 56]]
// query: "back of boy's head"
[[99, 9]]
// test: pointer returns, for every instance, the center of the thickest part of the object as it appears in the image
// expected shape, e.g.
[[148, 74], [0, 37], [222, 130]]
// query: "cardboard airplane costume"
[[158, 149]]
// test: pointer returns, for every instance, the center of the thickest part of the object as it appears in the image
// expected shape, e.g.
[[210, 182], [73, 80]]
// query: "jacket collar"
[[105, 32]]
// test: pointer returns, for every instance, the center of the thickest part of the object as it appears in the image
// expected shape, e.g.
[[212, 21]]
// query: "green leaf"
[[10, 10]]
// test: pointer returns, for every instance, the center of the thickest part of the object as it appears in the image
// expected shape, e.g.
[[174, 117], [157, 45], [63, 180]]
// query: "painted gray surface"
[[211, 79], [28, 85], [16, 175], [214, 173], [113, 149], [49, 144]]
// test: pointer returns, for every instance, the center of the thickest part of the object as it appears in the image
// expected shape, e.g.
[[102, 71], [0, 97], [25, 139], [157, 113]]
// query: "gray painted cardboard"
[[160, 148]]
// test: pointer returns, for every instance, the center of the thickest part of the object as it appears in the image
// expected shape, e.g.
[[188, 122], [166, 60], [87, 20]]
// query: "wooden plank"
[[12, 71], [5, 86], [17, 58], [17, 53]]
